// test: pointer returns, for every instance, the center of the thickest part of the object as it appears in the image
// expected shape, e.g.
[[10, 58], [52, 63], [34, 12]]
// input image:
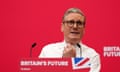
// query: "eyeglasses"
[[71, 23]]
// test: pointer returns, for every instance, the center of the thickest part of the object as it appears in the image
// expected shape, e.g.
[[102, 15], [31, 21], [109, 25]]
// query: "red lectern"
[[54, 65]]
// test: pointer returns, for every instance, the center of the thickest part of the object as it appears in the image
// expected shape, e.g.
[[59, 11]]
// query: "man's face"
[[73, 26]]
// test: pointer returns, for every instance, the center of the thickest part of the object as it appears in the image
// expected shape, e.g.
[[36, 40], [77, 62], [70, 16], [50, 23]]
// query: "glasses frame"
[[71, 23]]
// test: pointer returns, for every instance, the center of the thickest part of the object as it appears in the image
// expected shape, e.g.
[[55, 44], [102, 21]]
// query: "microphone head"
[[78, 45], [34, 44]]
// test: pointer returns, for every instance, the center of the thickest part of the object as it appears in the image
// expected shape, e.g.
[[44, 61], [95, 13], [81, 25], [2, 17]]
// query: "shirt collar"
[[64, 43]]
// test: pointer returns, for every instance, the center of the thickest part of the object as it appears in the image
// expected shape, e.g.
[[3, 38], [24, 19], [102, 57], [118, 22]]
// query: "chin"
[[74, 38]]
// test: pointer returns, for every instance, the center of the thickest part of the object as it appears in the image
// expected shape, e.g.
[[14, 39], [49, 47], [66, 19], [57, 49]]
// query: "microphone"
[[33, 45], [78, 45], [80, 49]]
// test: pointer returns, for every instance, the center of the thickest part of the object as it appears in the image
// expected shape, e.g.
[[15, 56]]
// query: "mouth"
[[75, 32]]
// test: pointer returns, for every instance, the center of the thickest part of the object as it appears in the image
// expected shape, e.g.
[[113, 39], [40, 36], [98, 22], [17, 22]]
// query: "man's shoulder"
[[89, 50]]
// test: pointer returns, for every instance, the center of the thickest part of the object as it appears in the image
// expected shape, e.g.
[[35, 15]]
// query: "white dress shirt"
[[56, 51]]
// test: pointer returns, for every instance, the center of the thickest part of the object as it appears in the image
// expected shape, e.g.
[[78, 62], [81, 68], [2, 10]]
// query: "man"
[[73, 26]]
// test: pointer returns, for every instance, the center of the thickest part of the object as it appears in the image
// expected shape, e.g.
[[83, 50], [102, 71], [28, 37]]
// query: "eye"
[[79, 22], [71, 22]]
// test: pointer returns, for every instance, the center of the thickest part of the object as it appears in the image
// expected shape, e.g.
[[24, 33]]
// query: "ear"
[[62, 29]]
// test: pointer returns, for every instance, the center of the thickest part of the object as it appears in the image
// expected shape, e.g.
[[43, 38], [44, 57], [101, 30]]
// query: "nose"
[[75, 25]]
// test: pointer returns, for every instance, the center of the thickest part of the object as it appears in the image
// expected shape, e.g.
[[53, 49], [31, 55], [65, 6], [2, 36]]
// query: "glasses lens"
[[72, 22]]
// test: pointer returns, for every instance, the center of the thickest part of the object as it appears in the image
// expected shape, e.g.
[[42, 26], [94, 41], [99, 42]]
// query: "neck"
[[72, 41]]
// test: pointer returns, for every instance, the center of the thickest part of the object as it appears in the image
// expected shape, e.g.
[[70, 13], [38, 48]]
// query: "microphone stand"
[[33, 45], [80, 49]]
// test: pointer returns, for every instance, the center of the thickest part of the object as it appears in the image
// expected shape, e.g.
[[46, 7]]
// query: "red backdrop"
[[23, 22]]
